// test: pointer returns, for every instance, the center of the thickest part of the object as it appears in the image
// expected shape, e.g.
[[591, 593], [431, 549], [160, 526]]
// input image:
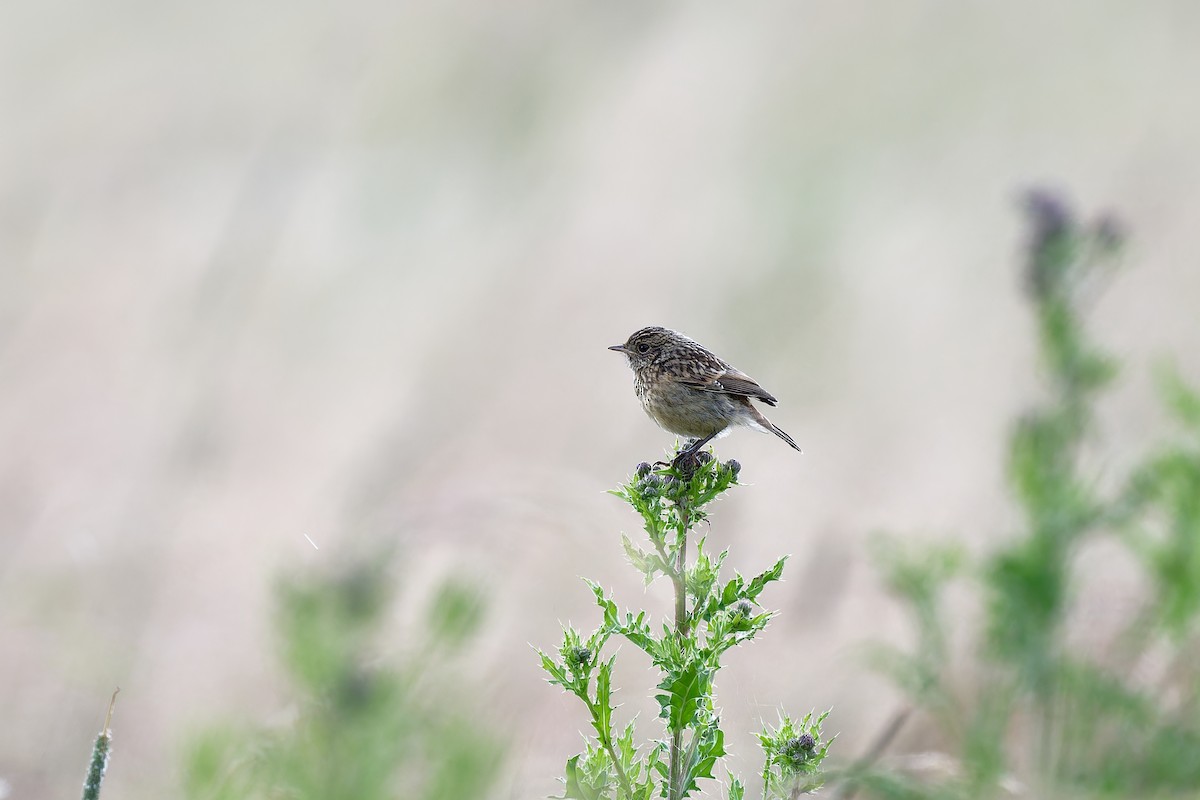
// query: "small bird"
[[691, 392]]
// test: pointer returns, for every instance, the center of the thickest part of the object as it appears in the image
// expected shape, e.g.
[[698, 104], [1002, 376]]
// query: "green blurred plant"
[[710, 617], [101, 752], [362, 729], [1066, 724]]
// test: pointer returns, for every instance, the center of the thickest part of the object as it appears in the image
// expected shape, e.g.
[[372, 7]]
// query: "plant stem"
[[681, 617], [681, 630], [885, 737], [606, 743], [100, 754], [621, 776]]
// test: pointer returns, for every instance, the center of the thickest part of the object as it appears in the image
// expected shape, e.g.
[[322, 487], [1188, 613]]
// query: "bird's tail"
[[764, 424], [782, 434]]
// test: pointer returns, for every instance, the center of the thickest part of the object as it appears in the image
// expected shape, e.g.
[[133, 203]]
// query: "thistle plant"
[[363, 727], [1041, 713], [710, 616]]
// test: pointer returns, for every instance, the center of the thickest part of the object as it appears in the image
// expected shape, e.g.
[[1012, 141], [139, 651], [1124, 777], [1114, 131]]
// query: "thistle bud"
[[798, 750], [651, 485], [578, 658], [740, 614], [673, 487]]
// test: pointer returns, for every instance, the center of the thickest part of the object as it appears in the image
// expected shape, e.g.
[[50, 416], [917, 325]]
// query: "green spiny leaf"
[[682, 694], [706, 748], [558, 673], [602, 719], [607, 606], [759, 582], [577, 786]]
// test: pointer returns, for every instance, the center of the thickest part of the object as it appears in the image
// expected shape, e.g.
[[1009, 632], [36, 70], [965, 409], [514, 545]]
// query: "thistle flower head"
[[578, 657]]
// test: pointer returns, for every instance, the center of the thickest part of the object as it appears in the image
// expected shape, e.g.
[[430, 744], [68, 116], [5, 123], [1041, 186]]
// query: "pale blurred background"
[[270, 271]]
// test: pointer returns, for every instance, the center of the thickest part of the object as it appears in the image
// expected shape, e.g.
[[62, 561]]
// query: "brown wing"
[[731, 381]]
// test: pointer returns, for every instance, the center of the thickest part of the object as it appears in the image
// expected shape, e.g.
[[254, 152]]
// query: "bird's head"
[[644, 346]]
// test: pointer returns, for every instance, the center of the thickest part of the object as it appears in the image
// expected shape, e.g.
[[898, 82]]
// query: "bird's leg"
[[685, 461], [690, 441], [698, 444], [661, 463]]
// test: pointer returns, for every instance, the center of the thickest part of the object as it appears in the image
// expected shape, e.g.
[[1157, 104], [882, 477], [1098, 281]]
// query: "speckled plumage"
[[691, 392]]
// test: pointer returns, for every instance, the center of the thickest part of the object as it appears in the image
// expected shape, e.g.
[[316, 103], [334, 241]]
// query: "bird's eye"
[[643, 348]]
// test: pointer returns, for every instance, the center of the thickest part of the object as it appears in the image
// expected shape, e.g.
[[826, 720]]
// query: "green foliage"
[[101, 751], [97, 766], [362, 729], [1090, 727], [1162, 503], [918, 575], [793, 755], [711, 616]]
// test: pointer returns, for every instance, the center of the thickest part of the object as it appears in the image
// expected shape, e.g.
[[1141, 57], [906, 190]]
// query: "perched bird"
[[691, 392]]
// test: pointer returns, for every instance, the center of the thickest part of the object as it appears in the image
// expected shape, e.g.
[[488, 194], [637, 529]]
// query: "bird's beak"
[[620, 348]]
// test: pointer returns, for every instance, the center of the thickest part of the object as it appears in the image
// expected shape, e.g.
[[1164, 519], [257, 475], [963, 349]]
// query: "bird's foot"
[[690, 460]]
